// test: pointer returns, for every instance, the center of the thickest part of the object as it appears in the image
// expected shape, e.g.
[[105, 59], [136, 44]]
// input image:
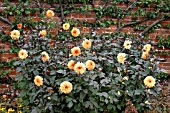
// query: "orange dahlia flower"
[[90, 65], [86, 44], [75, 51], [38, 80], [79, 68], [50, 13], [19, 26], [66, 87], [45, 56], [121, 57], [23, 54], [43, 33], [127, 44], [149, 81], [145, 55], [15, 34], [147, 48], [66, 26], [71, 65], [75, 32]]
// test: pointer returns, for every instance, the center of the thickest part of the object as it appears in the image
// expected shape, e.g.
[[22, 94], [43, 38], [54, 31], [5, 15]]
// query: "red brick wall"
[[90, 17]]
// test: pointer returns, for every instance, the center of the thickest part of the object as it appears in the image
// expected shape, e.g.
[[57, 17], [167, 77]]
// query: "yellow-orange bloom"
[[50, 13], [144, 55], [43, 33], [66, 87], [75, 32], [19, 111], [19, 26], [23, 54], [4, 96], [27, 107], [147, 48], [15, 34], [66, 26], [79, 68], [127, 44], [75, 51], [149, 82], [86, 44], [121, 57], [38, 80], [10, 110], [45, 56], [71, 65], [90, 65]]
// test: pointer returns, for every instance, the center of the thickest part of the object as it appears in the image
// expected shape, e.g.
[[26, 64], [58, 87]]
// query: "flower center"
[[38, 81], [76, 51], [121, 57], [79, 67], [74, 32]]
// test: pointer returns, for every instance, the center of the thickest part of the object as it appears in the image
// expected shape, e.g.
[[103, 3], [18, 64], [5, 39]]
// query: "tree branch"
[[133, 23], [38, 3], [62, 13], [118, 25], [129, 7], [5, 20], [1, 29], [150, 26]]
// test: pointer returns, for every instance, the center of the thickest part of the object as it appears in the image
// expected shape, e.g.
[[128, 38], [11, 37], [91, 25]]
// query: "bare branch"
[[150, 26], [118, 25], [38, 3], [5, 20], [1, 28], [129, 7], [133, 23], [61, 6]]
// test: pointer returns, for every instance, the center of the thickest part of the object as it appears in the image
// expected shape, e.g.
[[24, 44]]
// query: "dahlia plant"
[[98, 73]]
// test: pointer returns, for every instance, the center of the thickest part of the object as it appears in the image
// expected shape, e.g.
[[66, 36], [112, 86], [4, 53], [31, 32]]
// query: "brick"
[[168, 71], [82, 16], [11, 18], [36, 19], [46, 5], [165, 22], [74, 15], [121, 5], [113, 27], [168, 60], [4, 59], [127, 17], [152, 35], [9, 56], [6, 47]]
